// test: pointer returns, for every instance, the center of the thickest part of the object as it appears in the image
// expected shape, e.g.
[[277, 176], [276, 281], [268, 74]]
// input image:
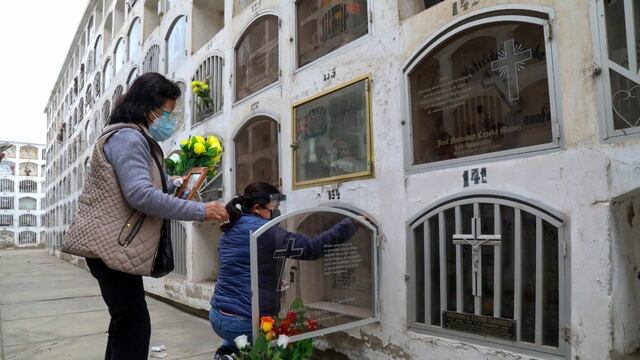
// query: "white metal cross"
[[476, 240], [511, 60]]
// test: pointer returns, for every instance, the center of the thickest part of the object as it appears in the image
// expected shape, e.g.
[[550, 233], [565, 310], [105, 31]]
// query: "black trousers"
[[130, 326]]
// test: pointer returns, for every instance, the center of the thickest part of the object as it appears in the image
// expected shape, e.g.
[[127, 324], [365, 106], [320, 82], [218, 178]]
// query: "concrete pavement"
[[50, 309]]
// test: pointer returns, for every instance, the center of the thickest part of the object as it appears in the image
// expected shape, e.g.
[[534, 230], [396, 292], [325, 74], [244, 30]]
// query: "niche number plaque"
[[480, 325], [474, 176]]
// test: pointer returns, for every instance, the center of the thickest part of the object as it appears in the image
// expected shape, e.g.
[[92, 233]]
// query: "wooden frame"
[[369, 172], [192, 183]]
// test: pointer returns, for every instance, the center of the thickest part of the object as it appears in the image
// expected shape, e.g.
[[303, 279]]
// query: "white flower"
[[283, 341], [241, 341], [175, 157]]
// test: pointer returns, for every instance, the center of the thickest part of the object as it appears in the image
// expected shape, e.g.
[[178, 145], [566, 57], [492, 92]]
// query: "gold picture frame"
[[192, 183], [366, 165]]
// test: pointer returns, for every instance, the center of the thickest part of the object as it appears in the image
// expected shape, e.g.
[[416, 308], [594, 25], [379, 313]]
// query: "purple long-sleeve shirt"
[[128, 152]]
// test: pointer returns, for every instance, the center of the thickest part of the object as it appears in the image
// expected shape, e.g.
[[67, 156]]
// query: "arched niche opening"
[[256, 153], [328, 258], [489, 256]]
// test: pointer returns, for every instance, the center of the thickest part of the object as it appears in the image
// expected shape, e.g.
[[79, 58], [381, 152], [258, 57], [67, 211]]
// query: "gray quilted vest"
[[104, 223]]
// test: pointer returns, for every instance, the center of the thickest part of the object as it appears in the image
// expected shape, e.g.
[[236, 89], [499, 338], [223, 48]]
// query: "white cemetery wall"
[[578, 179]]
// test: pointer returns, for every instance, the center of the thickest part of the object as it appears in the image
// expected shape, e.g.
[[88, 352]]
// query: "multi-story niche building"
[[513, 122], [22, 195]]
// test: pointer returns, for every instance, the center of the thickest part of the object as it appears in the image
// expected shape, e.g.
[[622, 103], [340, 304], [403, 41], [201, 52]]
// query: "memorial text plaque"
[[480, 325]]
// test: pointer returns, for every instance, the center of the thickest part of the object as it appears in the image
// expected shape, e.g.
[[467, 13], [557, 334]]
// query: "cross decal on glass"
[[288, 252], [511, 60], [476, 240]]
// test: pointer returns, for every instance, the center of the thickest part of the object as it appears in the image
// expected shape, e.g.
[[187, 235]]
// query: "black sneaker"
[[222, 357], [223, 353]]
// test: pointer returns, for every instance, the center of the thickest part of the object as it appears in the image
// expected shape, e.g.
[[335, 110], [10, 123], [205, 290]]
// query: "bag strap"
[[152, 144]]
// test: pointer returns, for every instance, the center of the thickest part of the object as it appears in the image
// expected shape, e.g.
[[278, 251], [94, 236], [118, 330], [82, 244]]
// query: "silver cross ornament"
[[476, 240]]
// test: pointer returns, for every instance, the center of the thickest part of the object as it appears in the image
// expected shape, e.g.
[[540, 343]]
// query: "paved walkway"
[[52, 310]]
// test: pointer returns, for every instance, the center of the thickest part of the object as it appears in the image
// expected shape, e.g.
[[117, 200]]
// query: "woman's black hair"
[[148, 92], [247, 202]]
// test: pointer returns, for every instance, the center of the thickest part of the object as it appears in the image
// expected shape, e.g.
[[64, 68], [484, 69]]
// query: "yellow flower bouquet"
[[202, 94], [196, 151]]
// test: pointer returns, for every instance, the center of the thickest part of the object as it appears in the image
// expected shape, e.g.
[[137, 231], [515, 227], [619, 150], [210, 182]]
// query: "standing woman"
[[124, 186]]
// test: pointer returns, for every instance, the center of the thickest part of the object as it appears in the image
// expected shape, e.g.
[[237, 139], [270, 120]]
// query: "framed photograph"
[[192, 183], [332, 136]]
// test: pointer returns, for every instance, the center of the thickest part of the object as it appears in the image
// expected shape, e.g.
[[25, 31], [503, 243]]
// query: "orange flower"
[[266, 323]]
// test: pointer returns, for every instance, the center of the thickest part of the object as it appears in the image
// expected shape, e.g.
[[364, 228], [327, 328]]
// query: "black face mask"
[[274, 213]]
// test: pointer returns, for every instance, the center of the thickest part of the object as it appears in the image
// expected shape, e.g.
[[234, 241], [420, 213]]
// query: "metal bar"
[[561, 286], [517, 297], [476, 231], [631, 36], [426, 236], [539, 283], [443, 262], [458, 226], [497, 263]]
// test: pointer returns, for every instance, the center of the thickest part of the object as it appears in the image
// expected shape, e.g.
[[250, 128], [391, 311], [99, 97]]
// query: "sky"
[[35, 37]]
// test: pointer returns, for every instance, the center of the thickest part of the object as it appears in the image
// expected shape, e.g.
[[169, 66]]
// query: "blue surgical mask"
[[163, 127]]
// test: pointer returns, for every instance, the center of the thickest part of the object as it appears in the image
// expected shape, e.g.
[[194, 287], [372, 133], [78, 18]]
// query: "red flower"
[[312, 324], [284, 327], [292, 316]]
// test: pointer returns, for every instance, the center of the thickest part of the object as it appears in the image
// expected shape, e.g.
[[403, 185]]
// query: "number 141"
[[464, 5]]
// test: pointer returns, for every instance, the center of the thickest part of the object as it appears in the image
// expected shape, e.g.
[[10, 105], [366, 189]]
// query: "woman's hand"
[[214, 211], [178, 180]]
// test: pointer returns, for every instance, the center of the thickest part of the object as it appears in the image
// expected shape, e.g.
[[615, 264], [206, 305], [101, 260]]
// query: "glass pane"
[[334, 280], [551, 292], [178, 111], [332, 135], [483, 91], [177, 44], [625, 102], [27, 204], [29, 152], [28, 169], [418, 234], [119, 56], [108, 74], [434, 243], [257, 57], [324, 26], [528, 276], [134, 39], [10, 152], [257, 153], [616, 32], [98, 52]]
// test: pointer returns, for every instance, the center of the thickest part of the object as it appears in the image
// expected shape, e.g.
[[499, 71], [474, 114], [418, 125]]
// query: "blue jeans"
[[229, 327]]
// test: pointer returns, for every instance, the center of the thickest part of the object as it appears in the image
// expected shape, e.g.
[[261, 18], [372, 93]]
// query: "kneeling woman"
[[230, 313]]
